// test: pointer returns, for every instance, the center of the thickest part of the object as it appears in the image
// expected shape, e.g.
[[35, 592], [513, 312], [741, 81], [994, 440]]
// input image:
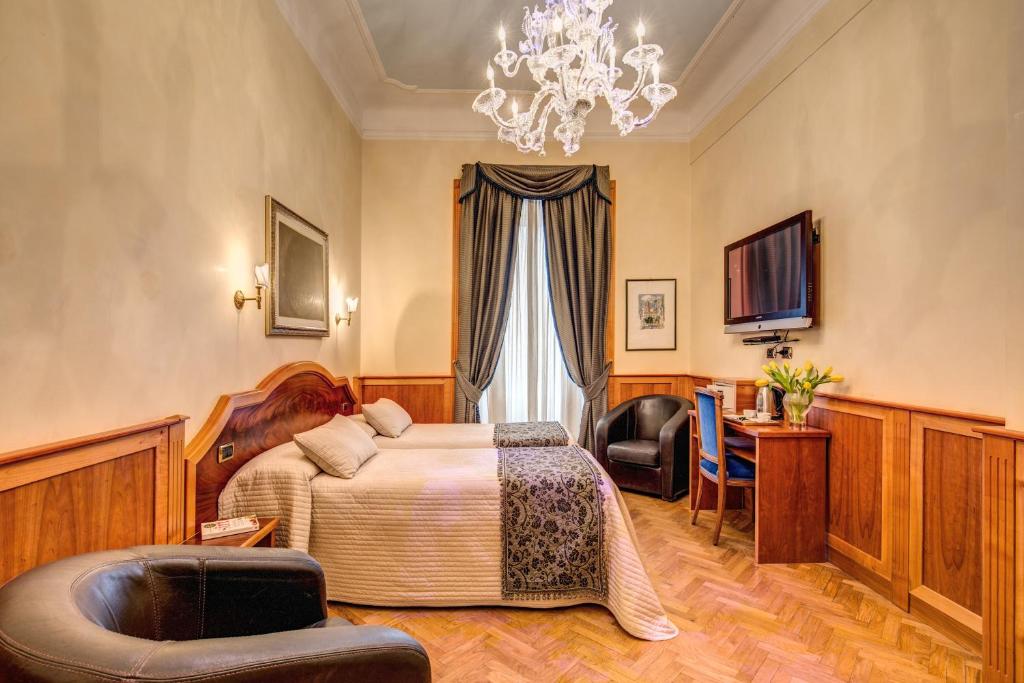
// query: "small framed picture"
[[651, 315], [298, 257]]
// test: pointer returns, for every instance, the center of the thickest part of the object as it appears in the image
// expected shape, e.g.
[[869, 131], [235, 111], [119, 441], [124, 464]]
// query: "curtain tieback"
[[473, 394], [594, 389]]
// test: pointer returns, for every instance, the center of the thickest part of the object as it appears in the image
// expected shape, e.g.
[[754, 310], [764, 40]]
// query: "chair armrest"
[[337, 654], [674, 446], [613, 426]]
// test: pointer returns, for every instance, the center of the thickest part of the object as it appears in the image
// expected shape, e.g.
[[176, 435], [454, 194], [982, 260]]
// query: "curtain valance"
[[536, 182]]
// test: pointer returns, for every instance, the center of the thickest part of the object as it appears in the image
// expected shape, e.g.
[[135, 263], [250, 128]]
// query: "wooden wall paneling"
[[901, 510], [746, 395], [999, 593], [684, 385], [861, 464], [946, 502], [625, 387], [1003, 563], [426, 399], [99, 492]]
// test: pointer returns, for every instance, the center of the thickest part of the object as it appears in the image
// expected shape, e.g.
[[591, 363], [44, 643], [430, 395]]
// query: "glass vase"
[[797, 404]]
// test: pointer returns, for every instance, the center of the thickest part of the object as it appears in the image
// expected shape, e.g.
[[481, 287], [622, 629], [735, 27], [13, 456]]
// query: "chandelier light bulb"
[[568, 49]]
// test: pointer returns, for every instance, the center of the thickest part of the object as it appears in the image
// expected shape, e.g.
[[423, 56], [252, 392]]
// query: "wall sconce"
[[262, 277], [351, 303]]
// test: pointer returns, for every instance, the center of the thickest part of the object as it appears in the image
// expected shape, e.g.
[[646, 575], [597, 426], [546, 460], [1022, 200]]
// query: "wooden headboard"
[[98, 492], [292, 399]]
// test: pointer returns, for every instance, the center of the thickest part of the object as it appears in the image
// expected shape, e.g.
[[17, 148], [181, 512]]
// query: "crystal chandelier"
[[570, 51]]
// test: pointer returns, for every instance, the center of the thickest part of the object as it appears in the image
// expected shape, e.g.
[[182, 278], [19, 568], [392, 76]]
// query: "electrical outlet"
[[785, 352], [226, 452]]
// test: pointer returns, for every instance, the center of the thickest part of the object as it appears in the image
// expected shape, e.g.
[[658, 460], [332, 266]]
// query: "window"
[[531, 382]]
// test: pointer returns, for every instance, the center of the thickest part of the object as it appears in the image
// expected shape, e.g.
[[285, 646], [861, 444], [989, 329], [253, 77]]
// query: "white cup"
[[764, 417], [750, 414]]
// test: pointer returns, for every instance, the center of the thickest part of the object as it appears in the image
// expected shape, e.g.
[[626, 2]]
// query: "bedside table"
[[263, 537]]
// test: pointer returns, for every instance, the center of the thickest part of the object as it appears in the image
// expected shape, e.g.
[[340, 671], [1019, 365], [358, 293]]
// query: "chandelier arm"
[[513, 72], [645, 121]]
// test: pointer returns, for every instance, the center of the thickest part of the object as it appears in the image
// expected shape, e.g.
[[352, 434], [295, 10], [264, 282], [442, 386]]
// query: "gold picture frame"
[[298, 253]]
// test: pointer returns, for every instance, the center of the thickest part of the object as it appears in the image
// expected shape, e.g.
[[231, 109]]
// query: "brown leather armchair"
[[644, 444], [171, 613]]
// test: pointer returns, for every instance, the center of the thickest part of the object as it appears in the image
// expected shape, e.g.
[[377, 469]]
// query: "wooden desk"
[[790, 515]]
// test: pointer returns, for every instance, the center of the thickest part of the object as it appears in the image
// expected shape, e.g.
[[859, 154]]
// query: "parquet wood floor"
[[737, 622]]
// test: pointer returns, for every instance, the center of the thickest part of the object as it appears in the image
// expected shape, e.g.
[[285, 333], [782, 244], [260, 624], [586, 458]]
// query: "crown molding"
[[443, 135], [756, 68], [338, 40]]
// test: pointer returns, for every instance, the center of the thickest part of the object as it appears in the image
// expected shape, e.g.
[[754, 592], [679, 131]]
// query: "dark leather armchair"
[[170, 613], [644, 444]]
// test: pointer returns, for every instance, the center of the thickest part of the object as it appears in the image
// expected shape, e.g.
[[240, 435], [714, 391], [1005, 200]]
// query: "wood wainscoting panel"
[[101, 492], [427, 399], [1003, 563], [862, 460], [622, 388], [946, 501]]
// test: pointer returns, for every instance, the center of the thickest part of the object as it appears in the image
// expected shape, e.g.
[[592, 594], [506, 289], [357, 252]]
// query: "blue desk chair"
[[739, 470]]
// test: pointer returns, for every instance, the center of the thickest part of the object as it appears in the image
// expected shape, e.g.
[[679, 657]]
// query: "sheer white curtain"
[[530, 382]]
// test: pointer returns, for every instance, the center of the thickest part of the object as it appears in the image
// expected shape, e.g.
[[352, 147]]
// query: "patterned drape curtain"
[[576, 205]]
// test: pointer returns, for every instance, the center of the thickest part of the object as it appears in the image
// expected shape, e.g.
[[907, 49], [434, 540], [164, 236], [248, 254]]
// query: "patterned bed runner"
[[552, 525], [527, 434]]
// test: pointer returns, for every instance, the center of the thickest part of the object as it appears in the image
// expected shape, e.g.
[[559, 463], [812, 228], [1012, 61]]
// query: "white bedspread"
[[419, 436], [423, 527]]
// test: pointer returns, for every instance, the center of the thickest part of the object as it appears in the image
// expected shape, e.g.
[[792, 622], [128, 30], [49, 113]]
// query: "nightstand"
[[263, 537]]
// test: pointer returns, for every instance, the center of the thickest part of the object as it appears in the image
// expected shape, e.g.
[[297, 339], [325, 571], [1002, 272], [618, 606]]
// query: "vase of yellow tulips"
[[799, 384]]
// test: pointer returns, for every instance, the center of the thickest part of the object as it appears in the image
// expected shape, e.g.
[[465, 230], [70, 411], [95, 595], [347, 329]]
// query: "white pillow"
[[339, 447], [387, 417], [361, 422]]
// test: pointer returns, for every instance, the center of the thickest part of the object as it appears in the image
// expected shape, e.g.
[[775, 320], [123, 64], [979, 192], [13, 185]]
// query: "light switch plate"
[[225, 452]]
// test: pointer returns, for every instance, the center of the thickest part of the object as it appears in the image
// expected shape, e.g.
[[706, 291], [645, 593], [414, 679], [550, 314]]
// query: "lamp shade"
[[262, 273], [353, 303]]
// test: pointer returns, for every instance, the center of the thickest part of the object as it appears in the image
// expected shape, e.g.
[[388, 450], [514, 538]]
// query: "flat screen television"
[[769, 278]]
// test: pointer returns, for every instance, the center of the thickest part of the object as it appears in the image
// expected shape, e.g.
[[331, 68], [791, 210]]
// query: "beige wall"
[[139, 138], [407, 247], [1015, 226], [894, 131]]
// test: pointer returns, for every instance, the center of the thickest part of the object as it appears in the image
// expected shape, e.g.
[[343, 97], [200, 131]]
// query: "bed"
[[419, 436], [426, 526]]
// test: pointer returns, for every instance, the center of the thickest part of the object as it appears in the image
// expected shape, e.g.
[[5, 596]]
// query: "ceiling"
[[411, 68], [445, 44]]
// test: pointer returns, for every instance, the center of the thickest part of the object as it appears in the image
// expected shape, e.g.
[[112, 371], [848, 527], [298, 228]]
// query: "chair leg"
[[721, 513], [696, 507]]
